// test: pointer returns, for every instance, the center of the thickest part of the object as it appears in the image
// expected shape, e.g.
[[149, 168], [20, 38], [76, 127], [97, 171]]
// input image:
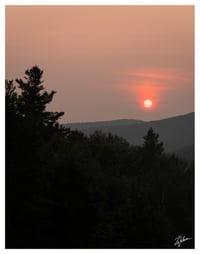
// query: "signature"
[[180, 239]]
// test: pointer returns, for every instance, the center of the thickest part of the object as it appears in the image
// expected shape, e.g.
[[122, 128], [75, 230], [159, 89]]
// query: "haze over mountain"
[[177, 132], [102, 124]]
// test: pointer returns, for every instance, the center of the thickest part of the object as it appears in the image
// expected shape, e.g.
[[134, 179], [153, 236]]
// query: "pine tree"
[[30, 131], [33, 99], [152, 148]]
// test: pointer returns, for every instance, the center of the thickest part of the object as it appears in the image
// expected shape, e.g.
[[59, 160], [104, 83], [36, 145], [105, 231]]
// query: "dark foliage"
[[66, 190]]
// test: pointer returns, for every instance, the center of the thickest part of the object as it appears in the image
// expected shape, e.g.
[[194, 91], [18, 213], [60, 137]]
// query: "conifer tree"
[[33, 99], [152, 148]]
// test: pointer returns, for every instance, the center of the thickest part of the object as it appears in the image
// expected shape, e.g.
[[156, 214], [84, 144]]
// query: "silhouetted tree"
[[12, 119], [33, 99], [29, 127], [152, 148]]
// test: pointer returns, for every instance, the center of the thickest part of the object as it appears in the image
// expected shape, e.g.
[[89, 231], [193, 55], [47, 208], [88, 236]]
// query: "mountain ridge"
[[177, 133], [119, 122]]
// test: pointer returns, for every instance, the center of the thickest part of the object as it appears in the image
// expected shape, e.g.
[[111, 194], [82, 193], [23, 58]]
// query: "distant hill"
[[177, 133], [101, 124]]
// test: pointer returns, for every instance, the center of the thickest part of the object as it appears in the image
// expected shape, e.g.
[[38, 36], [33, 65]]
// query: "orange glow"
[[151, 84], [148, 104], [146, 90]]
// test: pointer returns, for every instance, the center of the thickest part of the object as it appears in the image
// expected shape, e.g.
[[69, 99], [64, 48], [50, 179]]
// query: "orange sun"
[[148, 103]]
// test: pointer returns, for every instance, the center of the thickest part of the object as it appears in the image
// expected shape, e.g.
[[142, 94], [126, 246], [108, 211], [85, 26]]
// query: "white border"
[[2, 115], [101, 2]]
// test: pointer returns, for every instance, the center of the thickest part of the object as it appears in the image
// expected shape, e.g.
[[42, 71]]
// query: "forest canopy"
[[68, 190]]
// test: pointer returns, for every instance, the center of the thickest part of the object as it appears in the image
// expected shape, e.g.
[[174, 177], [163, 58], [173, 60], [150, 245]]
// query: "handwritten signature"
[[180, 239]]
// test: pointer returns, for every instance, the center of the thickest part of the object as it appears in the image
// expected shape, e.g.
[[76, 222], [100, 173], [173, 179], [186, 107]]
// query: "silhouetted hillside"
[[102, 124], [176, 132]]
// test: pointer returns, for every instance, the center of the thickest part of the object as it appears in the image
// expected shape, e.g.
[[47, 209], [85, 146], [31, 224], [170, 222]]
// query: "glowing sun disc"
[[147, 103]]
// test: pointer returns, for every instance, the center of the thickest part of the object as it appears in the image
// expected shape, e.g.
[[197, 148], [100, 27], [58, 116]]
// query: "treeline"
[[66, 190]]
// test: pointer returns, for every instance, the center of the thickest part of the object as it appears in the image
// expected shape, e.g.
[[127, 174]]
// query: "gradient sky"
[[103, 61]]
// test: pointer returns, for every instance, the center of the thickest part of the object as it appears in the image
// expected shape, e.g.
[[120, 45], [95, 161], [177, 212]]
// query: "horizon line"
[[125, 119]]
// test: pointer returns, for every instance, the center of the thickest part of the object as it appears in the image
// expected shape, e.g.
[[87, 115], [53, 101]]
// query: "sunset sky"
[[104, 61]]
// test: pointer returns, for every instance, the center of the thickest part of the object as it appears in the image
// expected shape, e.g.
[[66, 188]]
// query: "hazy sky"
[[103, 61]]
